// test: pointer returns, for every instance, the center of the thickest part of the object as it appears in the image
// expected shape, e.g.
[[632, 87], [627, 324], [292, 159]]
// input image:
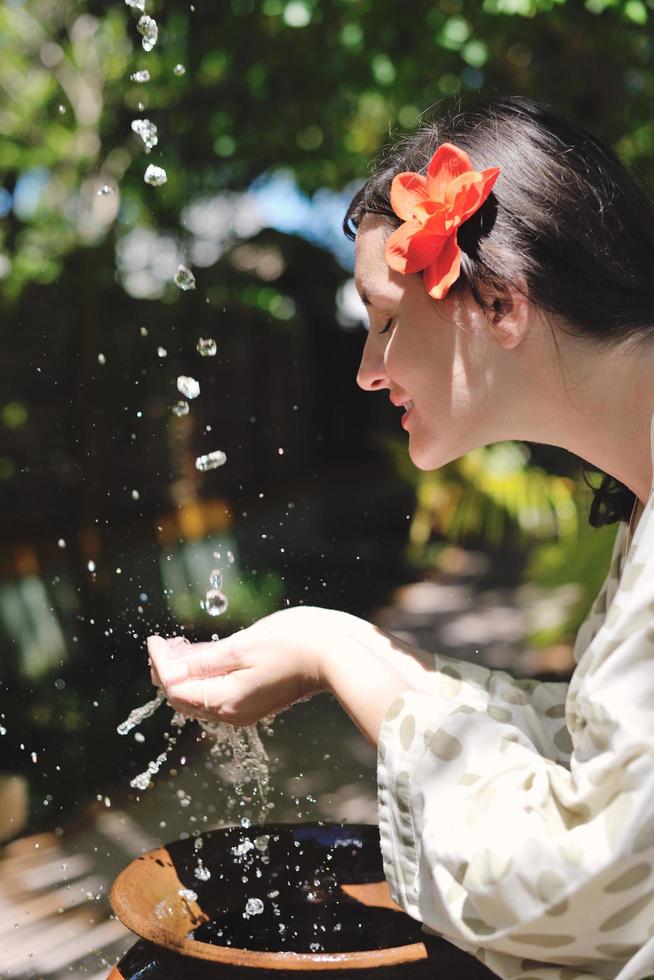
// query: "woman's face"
[[438, 359]]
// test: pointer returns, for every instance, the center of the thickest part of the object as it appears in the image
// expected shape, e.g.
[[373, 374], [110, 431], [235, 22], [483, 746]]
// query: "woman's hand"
[[253, 673], [281, 659]]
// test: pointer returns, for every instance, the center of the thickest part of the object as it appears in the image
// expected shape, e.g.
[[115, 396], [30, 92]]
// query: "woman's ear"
[[507, 312]]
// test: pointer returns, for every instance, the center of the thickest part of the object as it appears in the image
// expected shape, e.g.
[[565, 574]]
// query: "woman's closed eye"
[[387, 326]]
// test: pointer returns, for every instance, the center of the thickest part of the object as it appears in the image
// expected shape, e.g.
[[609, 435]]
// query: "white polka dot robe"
[[516, 817]]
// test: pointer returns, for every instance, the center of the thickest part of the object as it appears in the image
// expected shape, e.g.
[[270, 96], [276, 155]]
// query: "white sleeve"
[[522, 844]]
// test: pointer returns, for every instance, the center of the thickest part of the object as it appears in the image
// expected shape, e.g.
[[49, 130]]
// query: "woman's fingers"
[[200, 660]]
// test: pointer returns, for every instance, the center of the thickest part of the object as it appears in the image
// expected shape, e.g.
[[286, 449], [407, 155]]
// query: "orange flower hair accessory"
[[432, 208]]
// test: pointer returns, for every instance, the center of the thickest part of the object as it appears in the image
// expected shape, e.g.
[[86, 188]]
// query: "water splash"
[[188, 894], [188, 387], [138, 715], [216, 602], [184, 278], [179, 70], [210, 461], [147, 130], [253, 906], [140, 76], [206, 347], [137, 4], [180, 408], [155, 176], [147, 28]]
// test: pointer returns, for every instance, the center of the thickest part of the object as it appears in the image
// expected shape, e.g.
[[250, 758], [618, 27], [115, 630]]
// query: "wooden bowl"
[[312, 870]]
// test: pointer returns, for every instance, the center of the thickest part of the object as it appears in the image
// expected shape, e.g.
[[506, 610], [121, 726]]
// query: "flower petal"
[[423, 248], [467, 194], [433, 215], [397, 245], [447, 162], [443, 271], [407, 190]]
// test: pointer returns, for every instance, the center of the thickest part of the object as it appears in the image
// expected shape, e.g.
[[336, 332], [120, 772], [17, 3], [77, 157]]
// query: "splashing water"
[[155, 176], [206, 347], [215, 602], [200, 872], [188, 894], [184, 278], [216, 579], [147, 130], [253, 906], [142, 781], [140, 76], [179, 70], [211, 461], [137, 4], [249, 758], [180, 408], [147, 28], [140, 714], [188, 387]]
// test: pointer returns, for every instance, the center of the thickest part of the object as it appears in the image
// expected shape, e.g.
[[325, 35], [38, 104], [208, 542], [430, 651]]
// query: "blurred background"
[[268, 115]]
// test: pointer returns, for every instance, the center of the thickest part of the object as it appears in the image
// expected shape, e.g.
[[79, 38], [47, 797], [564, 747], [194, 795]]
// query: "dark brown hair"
[[565, 215]]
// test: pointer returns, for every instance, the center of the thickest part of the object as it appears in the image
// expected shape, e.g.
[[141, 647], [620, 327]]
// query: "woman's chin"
[[424, 457]]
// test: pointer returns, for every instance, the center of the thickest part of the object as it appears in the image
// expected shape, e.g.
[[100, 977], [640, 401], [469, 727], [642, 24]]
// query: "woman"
[[505, 257]]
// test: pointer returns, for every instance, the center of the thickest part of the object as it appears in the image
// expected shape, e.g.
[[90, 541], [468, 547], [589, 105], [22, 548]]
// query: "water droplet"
[[280, 451], [180, 408], [104, 190], [137, 4], [60, 684], [216, 602], [184, 278], [143, 331], [33, 757], [162, 352], [139, 737], [140, 76], [138, 715], [102, 359], [216, 579], [61, 543], [147, 131], [155, 176], [62, 110], [147, 28], [207, 347], [188, 387], [179, 70], [188, 894], [210, 461], [135, 495], [230, 557], [253, 906], [201, 873]]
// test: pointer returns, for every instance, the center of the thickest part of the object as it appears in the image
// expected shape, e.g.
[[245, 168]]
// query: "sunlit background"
[[269, 115]]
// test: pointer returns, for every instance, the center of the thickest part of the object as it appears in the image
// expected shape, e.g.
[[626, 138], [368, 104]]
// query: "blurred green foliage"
[[498, 497], [319, 87]]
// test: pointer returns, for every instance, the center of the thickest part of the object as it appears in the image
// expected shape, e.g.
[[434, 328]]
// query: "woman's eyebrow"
[[367, 301]]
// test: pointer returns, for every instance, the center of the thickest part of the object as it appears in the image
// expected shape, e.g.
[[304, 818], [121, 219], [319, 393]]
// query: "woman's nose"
[[371, 375]]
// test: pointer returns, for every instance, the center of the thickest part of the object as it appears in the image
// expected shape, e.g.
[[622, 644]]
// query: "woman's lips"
[[408, 409]]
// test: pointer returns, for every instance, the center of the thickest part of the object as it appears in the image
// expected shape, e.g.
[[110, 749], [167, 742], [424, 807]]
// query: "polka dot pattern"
[[517, 816]]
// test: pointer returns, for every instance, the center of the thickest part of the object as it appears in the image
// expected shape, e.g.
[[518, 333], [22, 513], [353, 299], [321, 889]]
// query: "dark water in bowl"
[[318, 927]]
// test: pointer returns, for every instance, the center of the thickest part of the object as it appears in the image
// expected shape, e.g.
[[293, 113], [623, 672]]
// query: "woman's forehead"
[[371, 269]]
